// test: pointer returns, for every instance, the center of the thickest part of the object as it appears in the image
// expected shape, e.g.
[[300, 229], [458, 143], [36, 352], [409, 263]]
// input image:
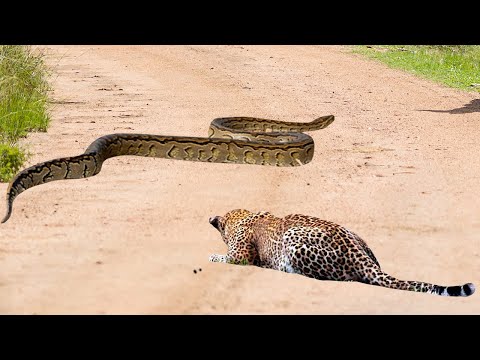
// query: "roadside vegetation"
[[23, 103], [456, 66]]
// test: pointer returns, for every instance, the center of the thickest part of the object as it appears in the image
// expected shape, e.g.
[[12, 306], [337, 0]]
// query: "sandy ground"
[[399, 166]]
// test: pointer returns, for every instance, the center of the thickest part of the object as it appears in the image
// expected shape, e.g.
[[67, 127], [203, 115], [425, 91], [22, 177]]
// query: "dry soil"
[[400, 166]]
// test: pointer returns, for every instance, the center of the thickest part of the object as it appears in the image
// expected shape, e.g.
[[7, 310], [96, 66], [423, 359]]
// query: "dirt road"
[[400, 166]]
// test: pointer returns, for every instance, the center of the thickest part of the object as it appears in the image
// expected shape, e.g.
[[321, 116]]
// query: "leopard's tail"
[[379, 278]]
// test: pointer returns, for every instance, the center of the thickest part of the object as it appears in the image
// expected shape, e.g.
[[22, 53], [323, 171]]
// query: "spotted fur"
[[311, 247]]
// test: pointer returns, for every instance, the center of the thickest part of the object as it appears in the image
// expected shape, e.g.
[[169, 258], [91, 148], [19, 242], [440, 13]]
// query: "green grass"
[[239, 262], [456, 66], [11, 159], [23, 103]]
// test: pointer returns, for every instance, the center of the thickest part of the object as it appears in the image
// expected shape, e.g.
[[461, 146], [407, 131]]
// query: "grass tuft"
[[23, 103], [11, 159], [456, 66]]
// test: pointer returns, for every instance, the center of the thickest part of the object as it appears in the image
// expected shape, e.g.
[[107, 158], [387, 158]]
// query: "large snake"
[[239, 140]]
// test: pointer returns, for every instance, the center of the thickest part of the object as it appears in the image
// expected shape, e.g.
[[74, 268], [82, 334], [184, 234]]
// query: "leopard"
[[311, 247]]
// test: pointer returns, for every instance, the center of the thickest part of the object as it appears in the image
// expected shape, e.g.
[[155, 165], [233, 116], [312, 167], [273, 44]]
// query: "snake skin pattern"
[[239, 140]]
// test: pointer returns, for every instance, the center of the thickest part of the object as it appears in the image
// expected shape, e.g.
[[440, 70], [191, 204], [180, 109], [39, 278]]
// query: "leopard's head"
[[227, 224], [218, 222]]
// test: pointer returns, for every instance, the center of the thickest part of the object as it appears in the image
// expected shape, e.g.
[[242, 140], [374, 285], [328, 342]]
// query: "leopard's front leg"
[[218, 258], [228, 259], [240, 251]]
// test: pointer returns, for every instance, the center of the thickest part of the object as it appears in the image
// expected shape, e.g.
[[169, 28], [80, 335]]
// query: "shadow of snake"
[[238, 140]]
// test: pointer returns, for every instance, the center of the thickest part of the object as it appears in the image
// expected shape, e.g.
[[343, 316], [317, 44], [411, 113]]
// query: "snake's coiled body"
[[240, 140]]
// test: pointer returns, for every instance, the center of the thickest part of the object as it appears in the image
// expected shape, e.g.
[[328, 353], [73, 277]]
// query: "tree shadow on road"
[[472, 106]]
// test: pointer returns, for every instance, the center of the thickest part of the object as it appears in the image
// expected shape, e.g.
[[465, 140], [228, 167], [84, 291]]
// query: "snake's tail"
[[75, 167], [9, 207]]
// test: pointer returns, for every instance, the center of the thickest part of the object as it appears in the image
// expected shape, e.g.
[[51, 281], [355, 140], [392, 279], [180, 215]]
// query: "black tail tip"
[[468, 289], [462, 290]]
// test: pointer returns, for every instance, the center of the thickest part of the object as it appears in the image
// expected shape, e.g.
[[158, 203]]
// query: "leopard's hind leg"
[[312, 253]]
